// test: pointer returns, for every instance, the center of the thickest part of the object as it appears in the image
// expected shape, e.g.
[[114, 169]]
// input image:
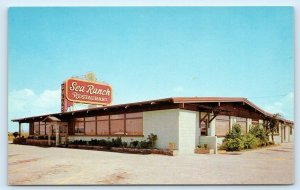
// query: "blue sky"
[[149, 53]]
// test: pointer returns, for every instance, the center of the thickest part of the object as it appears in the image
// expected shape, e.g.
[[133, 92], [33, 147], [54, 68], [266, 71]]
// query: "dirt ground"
[[30, 165]]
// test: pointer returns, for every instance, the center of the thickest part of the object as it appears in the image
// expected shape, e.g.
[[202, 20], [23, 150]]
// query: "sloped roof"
[[174, 100], [51, 119]]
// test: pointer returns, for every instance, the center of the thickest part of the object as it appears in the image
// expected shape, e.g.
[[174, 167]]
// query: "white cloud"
[[48, 99], [284, 106], [26, 103], [18, 99]]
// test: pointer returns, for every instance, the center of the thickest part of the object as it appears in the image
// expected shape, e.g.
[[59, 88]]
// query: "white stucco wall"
[[163, 123], [211, 142], [220, 141], [188, 122]]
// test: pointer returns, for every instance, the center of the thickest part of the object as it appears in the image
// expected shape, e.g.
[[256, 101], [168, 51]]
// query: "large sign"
[[83, 91]]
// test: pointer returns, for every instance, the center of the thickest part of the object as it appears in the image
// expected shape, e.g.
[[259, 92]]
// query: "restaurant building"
[[183, 121]]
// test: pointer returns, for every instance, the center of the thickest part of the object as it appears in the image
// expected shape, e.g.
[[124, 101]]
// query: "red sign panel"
[[88, 92]]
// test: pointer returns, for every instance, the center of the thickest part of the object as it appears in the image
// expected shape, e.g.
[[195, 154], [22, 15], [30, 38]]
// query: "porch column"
[[20, 129], [249, 124], [49, 135], [57, 134], [211, 125]]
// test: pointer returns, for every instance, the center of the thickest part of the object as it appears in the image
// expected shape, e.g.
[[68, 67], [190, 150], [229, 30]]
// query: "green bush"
[[93, 142], [145, 144], [109, 143], [125, 144], [78, 142], [250, 141], [152, 139], [261, 134], [235, 132], [134, 144], [233, 140], [117, 142], [102, 142], [235, 144]]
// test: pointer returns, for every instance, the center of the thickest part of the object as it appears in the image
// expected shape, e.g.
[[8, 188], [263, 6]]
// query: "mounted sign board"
[[88, 92]]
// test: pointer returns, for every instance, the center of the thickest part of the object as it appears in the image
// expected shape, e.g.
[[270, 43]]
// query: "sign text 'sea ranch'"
[[88, 92]]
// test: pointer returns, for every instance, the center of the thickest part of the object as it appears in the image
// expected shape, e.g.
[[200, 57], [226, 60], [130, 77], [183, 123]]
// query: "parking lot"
[[30, 165]]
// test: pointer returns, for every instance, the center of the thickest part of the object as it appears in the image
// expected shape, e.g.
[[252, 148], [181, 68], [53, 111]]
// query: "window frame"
[[222, 119], [109, 119]]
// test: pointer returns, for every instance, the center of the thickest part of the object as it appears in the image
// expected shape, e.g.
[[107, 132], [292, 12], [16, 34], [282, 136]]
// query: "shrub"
[[117, 142], [19, 140], [261, 134], [125, 144], [250, 141], [152, 139], [30, 137], [134, 144], [79, 142], [145, 144], [93, 142], [102, 142], [233, 140], [234, 144], [109, 143], [15, 134], [236, 132]]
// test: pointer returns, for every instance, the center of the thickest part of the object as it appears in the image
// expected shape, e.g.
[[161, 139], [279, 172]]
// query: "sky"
[[151, 52]]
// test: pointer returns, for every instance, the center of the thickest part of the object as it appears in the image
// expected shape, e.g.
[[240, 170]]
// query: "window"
[[117, 124], [103, 125], [222, 125], [36, 128], [134, 126], [79, 126], [243, 123], [90, 125], [42, 128], [117, 127], [134, 123]]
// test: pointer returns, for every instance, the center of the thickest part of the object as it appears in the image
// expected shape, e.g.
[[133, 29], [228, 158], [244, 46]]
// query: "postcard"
[[150, 95]]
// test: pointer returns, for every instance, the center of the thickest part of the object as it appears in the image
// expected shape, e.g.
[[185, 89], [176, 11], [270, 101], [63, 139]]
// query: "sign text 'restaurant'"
[[88, 92]]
